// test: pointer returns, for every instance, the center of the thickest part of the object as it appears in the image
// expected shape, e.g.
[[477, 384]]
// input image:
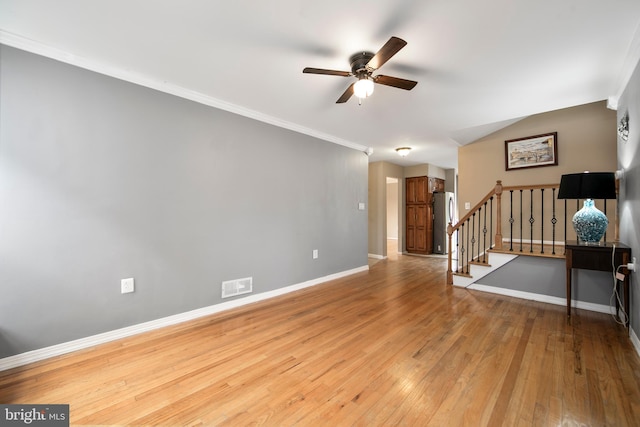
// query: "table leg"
[[625, 284]]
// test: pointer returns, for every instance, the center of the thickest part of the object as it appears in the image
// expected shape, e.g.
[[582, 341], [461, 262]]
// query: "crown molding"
[[51, 52]]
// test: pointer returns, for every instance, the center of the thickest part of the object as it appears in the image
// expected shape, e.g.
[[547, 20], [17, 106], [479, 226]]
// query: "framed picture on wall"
[[531, 151]]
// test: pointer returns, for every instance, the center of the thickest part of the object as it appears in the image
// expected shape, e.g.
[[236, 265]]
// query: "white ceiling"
[[481, 65]]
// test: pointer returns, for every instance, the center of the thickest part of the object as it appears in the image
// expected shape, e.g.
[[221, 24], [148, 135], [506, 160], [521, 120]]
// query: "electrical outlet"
[[126, 286], [315, 254]]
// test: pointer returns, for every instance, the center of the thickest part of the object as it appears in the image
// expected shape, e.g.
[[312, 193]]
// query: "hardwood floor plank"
[[391, 346]]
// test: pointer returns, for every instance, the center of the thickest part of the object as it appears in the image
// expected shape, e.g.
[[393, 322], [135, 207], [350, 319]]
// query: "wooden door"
[[421, 228], [418, 221], [418, 226], [411, 228]]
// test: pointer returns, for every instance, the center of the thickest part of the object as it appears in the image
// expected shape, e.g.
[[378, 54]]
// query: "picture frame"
[[531, 151]]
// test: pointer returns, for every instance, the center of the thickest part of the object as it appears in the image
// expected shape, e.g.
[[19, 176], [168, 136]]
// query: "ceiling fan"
[[363, 65]]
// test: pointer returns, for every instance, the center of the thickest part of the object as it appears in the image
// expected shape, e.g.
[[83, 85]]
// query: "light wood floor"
[[391, 346]]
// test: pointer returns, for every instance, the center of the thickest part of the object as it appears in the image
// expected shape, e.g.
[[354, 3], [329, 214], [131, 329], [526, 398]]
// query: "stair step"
[[536, 249], [484, 264], [462, 275]]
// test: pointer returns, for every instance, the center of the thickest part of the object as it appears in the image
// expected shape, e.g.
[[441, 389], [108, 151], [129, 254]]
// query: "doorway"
[[393, 233]]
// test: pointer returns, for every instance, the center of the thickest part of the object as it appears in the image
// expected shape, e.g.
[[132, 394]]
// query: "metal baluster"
[[605, 214], [577, 209], [462, 250], [511, 221], [491, 222], [457, 250], [531, 221], [479, 239], [554, 220], [479, 231], [484, 235], [542, 220], [521, 229], [467, 246], [473, 236]]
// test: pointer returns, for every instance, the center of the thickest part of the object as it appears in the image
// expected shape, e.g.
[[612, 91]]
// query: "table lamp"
[[589, 222]]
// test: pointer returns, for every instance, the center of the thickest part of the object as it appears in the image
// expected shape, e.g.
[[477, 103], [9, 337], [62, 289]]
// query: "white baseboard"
[[82, 343], [600, 308], [376, 256]]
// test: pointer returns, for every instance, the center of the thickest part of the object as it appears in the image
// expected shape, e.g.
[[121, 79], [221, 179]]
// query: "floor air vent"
[[232, 288]]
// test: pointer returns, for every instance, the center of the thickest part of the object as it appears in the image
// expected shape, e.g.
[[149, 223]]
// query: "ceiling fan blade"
[[395, 82], [309, 70], [390, 48], [346, 95]]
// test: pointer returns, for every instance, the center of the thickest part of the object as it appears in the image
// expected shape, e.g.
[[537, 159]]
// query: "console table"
[[598, 257]]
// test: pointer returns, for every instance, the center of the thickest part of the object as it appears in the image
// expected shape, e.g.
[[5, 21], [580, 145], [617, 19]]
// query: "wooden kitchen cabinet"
[[419, 213]]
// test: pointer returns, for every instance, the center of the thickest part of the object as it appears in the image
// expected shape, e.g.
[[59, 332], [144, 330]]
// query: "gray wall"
[[102, 180], [629, 160]]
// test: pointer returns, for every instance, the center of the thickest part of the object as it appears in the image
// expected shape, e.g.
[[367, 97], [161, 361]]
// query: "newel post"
[[449, 263], [498, 238]]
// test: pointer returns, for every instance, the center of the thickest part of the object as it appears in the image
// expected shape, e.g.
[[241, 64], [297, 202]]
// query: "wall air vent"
[[232, 288]]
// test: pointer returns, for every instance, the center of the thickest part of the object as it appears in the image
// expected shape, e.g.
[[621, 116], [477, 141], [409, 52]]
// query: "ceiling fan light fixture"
[[403, 151], [363, 87]]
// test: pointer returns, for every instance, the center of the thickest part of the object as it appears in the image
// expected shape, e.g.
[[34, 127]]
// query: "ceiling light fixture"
[[403, 151], [363, 88]]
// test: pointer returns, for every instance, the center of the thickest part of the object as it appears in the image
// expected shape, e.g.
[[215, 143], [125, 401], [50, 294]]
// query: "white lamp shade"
[[403, 151], [363, 88]]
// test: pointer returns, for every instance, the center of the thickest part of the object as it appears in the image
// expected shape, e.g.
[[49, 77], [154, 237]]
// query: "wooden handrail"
[[475, 208], [530, 187]]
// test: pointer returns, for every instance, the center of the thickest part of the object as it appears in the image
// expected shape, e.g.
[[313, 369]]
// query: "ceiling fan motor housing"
[[359, 63]]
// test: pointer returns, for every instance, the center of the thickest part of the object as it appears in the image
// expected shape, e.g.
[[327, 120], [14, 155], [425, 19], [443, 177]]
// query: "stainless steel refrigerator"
[[443, 213]]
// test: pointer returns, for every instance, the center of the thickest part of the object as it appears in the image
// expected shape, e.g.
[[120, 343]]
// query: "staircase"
[[534, 221]]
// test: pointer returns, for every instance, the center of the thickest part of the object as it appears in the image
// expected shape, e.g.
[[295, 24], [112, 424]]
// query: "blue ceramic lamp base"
[[590, 223]]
